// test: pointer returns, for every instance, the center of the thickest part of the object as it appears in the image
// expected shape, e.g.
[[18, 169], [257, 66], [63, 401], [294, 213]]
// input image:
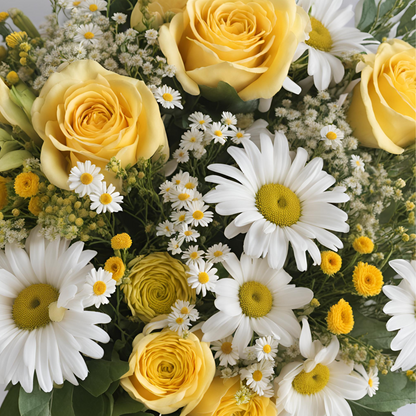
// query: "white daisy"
[[99, 287], [402, 307], [199, 121], [198, 215], [187, 234], [178, 217], [165, 190], [357, 163], [266, 348], [218, 253], [191, 140], [181, 155], [228, 119], [165, 228], [218, 132], [106, 199], [255, 299], [73, 4], [329, 39], [238, 135], [174, 246], [119, 18], [185, 180], [225, 351], [202, 277], [185, 308], [332, 136], [94, 6], [43, 325], [371, 378], [178, 322], [319, 385], [258, 376], [180, 197], [85, 178], [88, 34], [278, 201], [168, 97], [193, 255]]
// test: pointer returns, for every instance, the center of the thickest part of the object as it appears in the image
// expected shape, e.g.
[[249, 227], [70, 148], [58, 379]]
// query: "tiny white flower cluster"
[[183, 313], [12, 232], [86, 179]]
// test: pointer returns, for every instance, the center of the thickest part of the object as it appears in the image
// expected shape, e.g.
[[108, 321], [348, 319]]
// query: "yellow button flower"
[[340, 319], [367, 279], [35, 205], [331, 262], [363, 245], [115, 266], [121, 241], [26, 184], [168, 372]]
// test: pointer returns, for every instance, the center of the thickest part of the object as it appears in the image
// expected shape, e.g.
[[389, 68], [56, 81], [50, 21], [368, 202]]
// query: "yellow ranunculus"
[[168, 372], [85, 113], [219, 400], [383, 107], [156, 282], [247, 43]]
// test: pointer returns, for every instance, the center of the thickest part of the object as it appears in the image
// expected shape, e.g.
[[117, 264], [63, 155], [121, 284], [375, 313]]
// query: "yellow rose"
[[168, 372], [219, 400], [156, 282], [157, 10], [247, 43], [383, 107], [85, 113]]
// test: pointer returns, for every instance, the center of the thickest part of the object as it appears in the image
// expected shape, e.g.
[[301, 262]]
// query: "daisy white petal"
[[106, 199], [202, 277], [168, 97], [225, 351], [85, 178], [99, 287]]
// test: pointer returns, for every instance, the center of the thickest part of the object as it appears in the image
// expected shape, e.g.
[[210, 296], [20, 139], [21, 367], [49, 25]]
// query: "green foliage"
[[86, 404], [125, 405], [368, 15], [10, 406], [35, 403], [358, 410], [406, 26], [62, 401]]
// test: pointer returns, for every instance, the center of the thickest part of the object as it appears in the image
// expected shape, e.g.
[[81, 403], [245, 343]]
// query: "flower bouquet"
[[208, 208]]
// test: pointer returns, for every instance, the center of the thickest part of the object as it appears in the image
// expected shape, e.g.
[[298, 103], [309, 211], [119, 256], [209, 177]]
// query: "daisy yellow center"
[[86, 178], [106, 199], [370, 382], [76, 3], [93, 7], [184, 310], [192, 139], [331, 135], [167, 97], [218, 133], [226, 347], [267, 348], [183, 197], [188, 233], [179, 321], [194, 255], [312, 382], [357, 162], [201, 121], [182, 218], [30, 308], [278, 204], [218, 253], [99, 288], [178, 181], [189, 185], [89, 35], [256, 300], [319, 38], [257, 375], [203, 277], [198, 215], [239, 135]]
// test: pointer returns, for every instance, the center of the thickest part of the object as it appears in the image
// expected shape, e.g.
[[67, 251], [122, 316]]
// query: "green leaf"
[[406, 24], [14, 159], [388, 213], [85, 404], [395, 391], [226, 95], [62, 401], [372, 331], [368, 15], [35, 403], [358, 410], [10, 406], [125, 405]]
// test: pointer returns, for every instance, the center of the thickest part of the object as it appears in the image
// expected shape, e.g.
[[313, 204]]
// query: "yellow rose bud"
[[187, 364], [383, 108], [12, 77], [212, 41], [156, 282]]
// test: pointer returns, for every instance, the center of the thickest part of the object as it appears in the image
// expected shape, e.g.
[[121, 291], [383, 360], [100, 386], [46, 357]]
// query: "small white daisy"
[[165, 228], [198, 215], [185, 308], [332, 136], [199, 152], [199, 121], [266, 348], [202, 277], [168, 97], [85, 178], [225, 351], [191, 140], [175, 246], [119, 18], [178, 322], [187, 234], [99, 286], [371, 378], [94, 6], [193, 255], [218, 132], [181, 155], [151, 35], [258, 376], [357, 163], [181, 196], [165, 189], [181, 179], [228, 119], [238, 135], [178, 217], [218, 253], [106, 199], [88, 34], [70, 5]]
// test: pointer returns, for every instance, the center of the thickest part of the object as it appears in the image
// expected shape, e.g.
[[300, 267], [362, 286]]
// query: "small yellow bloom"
[[3, 192], [35, 205], [363, 245], [367, 279], [12, 77], [330, 262], [340, 319], [121, 241], [3, 16], [26, 184], [16, 212], [409, 373], [15, 39], [315, 303], [115, 266]]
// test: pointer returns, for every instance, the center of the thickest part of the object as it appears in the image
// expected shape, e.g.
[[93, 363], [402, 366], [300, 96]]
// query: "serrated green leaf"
[[406, 24], [358, 410], [10, 406], [125, 405], [62, 401], [368, 15], [36, 403]]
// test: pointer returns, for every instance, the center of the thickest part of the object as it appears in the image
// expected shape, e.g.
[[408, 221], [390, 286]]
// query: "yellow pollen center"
[[192, 139], [357, 162], [218, 133], [167, 228], [99, 288], [256, 300], [278, 204], [331, 135], [203, 277], [89, 35], [105, 199], [76, 3], [257, 375], [189, 185], [167, 97], [312, 382], [201, 121], [178, 181], [31, 307], [226, 347], [198, 215], [370, 382], [319, 37], [239, 135], [183, 197], [267, 348], [182, 218], [179, 321], [93, 7], [194, 255], [218, 253], [184, 310], [86, 178], [188, 233]]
